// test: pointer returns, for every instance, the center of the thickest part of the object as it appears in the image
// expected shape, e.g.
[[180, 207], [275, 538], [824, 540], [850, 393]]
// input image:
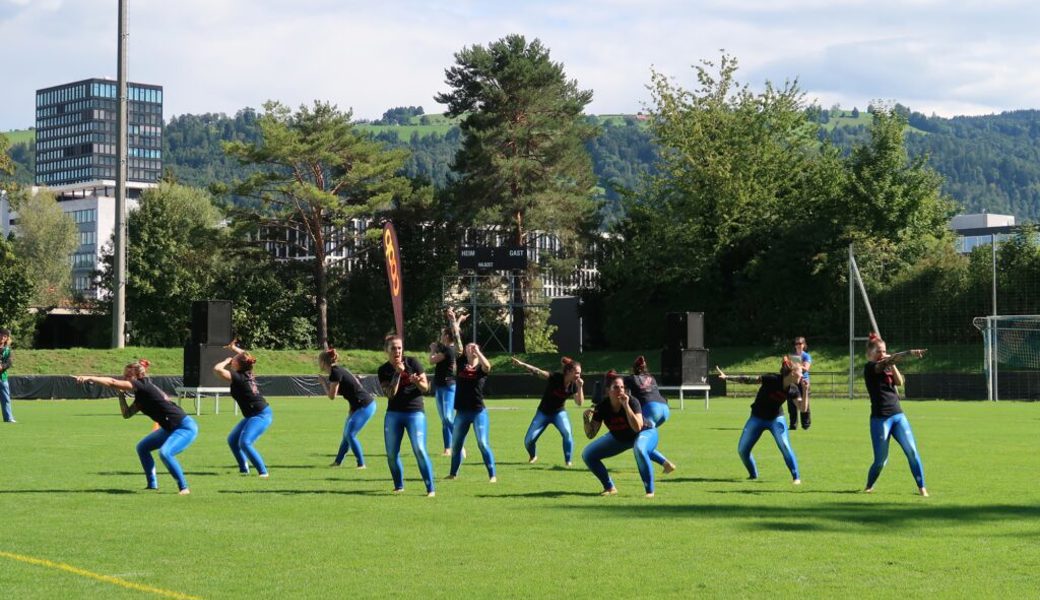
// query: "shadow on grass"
[[116, 491], [669, 479], [871, 517], [187, 472], [541, 494], [310, 492]]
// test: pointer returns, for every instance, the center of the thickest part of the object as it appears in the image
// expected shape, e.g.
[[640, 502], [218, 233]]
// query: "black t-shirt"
[[617, 421], [884, 399], [350, 388], [643, 388], [246, 394], [408, 397], [152, 401], [469, 385], [444, 372], [772, 396], [556, 394]]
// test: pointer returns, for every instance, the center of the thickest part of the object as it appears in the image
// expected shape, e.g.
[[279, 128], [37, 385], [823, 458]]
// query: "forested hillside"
[[988, 162]]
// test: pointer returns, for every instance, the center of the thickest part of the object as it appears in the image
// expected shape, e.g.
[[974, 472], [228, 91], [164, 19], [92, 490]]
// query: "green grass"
[[19, 136], [736, 359], [72, 493]]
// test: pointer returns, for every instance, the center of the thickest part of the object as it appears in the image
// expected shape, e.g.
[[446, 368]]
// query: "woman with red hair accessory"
[[256, 412]]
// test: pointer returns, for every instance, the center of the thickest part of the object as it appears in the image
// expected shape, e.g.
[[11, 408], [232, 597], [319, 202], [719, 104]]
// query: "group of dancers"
[[630, 406]]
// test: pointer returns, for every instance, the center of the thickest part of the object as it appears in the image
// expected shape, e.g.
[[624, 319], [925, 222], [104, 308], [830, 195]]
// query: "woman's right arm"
[[109, 382], [533, 370], [221, 369], [591, 423], [124, 409]]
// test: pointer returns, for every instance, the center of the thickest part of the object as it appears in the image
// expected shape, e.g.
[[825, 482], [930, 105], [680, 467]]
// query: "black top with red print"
[[150, 400], [772, 396], [408, 397], [469, 385], [350, 388], [443, 373], [643, 388], [246, 394], [617, 421], [556, 394], [884, 399]]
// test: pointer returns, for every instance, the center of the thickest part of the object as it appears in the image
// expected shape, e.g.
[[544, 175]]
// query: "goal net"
[[1012, 355]]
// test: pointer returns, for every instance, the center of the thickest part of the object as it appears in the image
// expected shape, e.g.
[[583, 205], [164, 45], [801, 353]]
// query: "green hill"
[[19, 136]]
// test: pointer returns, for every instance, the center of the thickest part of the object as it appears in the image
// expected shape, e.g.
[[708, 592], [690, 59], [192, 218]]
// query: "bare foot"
[[447, 452], [610, 492], [868, 490], [797, 482], [532, 460], [924, 492], [264, 475], [184, 492], [431, 494], [649, 494], [669, 466], [493, 479]]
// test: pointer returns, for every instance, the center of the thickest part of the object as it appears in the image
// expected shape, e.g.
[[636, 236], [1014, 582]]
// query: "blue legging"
[[479, 420], [355, 422], [244, 435], [657, 413], [446, 409], [608, 445], [537, 428], [753, 430], [394, 426], [169, 444], [897, 426]]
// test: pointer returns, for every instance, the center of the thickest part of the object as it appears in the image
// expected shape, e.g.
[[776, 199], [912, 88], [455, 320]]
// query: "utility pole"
[[119, 260]]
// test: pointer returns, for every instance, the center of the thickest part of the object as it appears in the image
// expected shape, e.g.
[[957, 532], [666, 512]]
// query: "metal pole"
[[852, 328], [994, 389], [863, 292], [119, 258]]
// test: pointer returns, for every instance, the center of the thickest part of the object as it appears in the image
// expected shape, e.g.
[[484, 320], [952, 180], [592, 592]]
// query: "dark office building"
[[76, 133]]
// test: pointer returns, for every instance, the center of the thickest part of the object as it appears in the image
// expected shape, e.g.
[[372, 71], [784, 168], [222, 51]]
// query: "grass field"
[[71, 493]]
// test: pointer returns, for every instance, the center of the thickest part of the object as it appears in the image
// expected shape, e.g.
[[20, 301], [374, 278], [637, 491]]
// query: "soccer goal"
[[1012, 355]]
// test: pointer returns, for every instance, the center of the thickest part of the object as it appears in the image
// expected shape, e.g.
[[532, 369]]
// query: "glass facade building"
[[76, 132]]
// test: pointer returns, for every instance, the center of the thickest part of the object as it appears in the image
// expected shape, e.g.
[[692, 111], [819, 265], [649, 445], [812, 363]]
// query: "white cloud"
[[223, 55]]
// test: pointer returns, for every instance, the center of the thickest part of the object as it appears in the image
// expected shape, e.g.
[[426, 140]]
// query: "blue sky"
[[944, 57]]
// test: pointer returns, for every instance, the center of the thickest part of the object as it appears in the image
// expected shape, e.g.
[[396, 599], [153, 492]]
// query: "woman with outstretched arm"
[[256, 412], [177, 430], [559, 386]]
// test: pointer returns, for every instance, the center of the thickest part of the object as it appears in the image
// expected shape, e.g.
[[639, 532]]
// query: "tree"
[[7, 166], [523, 167], [16, 287], [315, 173], [45, 238]]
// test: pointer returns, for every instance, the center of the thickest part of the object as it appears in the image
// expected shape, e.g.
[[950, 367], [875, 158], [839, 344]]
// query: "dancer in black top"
[[560, 386], [256, 412], [362, 404]]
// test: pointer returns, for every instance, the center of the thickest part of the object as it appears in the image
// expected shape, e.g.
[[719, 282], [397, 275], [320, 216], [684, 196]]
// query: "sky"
[[937, 57]]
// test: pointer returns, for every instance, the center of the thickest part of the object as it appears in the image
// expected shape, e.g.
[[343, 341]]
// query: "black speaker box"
[[211, 322], [199, 360], [684, 367], [683, 330]]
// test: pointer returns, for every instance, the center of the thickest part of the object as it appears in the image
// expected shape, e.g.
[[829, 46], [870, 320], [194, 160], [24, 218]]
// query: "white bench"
[[692, 387], [198, 392]]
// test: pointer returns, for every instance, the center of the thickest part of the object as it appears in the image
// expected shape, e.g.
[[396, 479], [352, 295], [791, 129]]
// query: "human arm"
[[481, 359], [221, 369], [891, 359], [126, 410], [591, 423], [579, 396], [533, 370], [109, 382], [738, 378], [635, 417]]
